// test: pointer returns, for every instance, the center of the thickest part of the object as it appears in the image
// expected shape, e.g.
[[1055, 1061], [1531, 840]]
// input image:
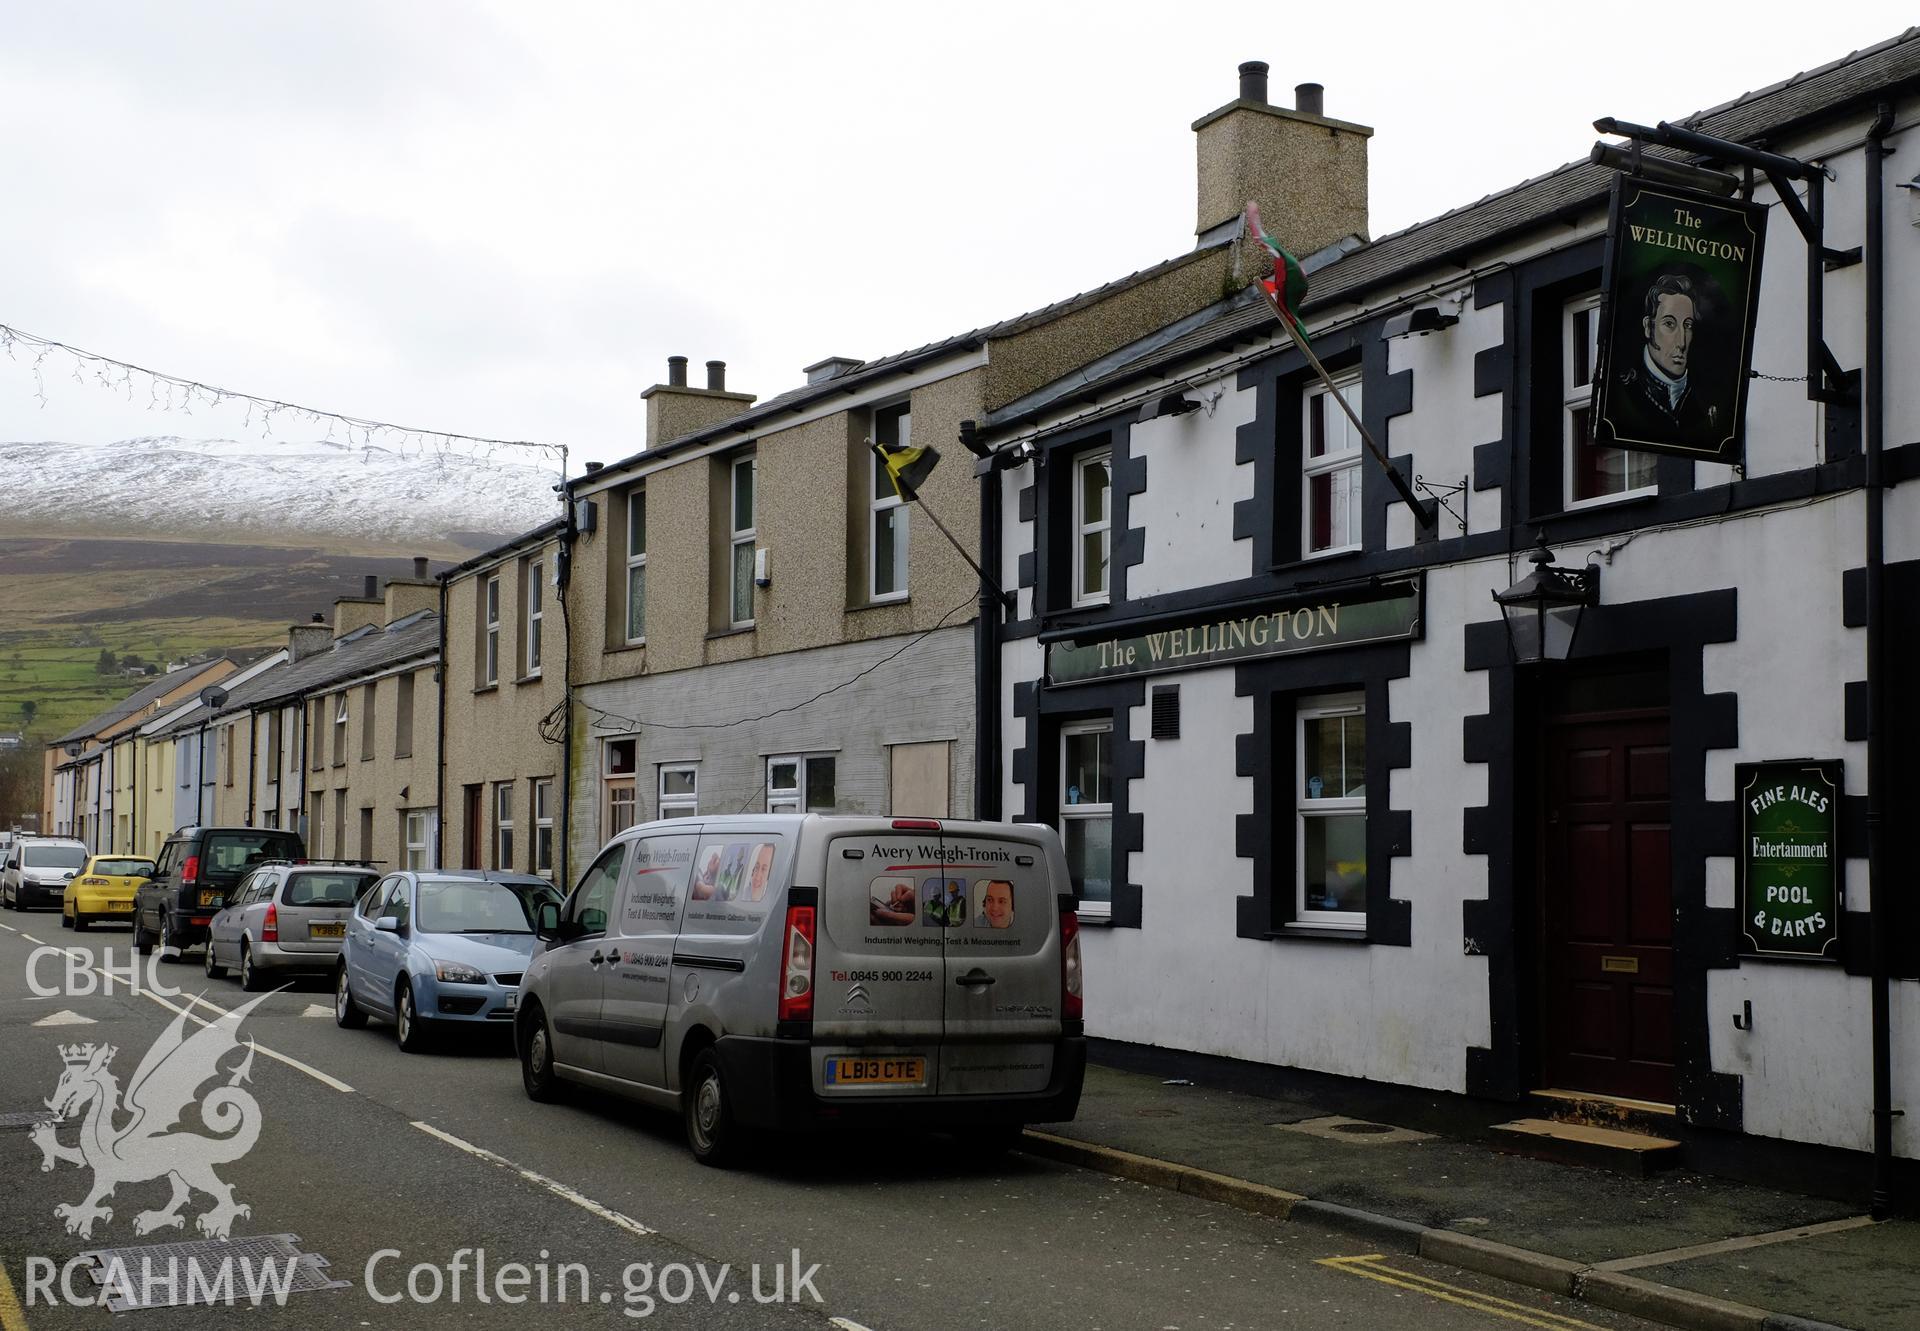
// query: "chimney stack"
[[675, 408], [303, 640], [1307, 172]]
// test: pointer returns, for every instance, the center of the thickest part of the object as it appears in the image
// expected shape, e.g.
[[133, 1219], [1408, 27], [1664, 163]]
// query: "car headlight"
[[455, 973]]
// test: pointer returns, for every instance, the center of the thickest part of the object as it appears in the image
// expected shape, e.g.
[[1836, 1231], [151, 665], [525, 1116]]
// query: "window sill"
[[733, 632], [1573, 507], [534, 678], [1325, 933], [880, 604], [487, 688]]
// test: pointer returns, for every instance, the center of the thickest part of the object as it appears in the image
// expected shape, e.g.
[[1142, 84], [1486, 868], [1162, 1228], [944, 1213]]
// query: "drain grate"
[[27, 1118], [207, 1272], [1360, 1129], [1354, 1131]]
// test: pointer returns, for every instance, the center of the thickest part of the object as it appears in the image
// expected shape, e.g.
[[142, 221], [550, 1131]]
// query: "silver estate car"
[[284, 918]]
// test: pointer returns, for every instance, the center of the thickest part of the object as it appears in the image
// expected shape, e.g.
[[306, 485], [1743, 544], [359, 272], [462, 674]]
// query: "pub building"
[[1560, 782]]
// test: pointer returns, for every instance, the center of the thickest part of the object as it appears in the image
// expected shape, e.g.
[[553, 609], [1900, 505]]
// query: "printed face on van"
[[995, 906], [762, 869]]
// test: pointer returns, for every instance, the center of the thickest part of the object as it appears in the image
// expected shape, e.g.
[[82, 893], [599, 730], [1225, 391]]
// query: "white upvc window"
[[887, 513], [503, 825], [1330, 486], [617, 778], [1092, 527], [801, 783], [339, 728], [679, 791], [637, 567], [1330, 812], [1086, 812], [740, 591], [543, 825], [419, 839], [1593, 474], [491, 618], [536, 610]]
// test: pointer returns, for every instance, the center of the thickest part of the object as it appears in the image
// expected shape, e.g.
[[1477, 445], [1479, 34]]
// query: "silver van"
[[782, 972]]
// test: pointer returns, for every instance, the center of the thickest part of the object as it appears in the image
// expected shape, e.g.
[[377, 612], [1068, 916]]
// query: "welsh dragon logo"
[[140, 1138]]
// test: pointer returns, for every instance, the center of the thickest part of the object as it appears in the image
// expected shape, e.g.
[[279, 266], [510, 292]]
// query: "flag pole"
[[1394, 478], [912, 495]]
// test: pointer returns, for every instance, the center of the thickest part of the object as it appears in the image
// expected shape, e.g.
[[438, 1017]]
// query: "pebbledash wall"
[[1741, 591]]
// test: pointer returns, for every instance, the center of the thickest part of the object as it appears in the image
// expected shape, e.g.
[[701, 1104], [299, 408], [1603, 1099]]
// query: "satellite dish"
[[213, 696]]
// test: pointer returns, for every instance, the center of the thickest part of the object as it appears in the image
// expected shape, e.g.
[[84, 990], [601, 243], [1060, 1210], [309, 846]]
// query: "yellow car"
[[103, 890]]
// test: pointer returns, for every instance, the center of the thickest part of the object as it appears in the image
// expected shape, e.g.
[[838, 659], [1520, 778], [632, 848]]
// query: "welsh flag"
[[1288, 285]]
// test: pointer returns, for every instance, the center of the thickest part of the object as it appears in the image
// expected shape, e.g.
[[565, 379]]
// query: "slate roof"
[[798, 398], [359, 653], [1455, 238], [154, 690]]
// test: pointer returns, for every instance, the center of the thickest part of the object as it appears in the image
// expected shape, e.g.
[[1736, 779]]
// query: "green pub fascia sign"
[[1792, 886], [1376, 615]]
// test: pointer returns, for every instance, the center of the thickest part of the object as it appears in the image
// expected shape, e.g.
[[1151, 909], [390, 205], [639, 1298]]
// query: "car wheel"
[[711, 1132], [214, 969], [409, 1029], [169, 945], [142, 940], [536, 1059], [66, 920], [346, 1012], [81, 923], [250, 978]]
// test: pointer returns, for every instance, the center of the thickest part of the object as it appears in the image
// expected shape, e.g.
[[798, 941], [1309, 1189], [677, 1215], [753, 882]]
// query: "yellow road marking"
[[12, 1318], [1369, 1266]]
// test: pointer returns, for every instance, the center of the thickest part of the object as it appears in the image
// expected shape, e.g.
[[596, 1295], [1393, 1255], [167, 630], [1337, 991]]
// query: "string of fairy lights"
[[269, 416]]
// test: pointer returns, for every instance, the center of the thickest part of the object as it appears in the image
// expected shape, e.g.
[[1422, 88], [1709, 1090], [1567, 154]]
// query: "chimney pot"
[[1310, 98], [592, 467], [676, 371], [318, 618], [372, 586], [716, 376], [1253, 81]]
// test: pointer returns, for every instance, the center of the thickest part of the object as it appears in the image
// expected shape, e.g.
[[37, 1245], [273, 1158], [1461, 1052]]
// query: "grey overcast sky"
[[501, 218]]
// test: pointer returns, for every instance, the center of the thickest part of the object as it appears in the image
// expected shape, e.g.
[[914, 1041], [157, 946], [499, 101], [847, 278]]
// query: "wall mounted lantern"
[[1543, 609]]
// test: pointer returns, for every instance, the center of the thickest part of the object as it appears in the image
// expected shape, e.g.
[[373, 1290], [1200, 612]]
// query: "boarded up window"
[[920, 779]]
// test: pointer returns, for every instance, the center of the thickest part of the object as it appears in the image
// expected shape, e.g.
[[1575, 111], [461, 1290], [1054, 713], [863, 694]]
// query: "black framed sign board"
[[1681, 295], [1792, 874]]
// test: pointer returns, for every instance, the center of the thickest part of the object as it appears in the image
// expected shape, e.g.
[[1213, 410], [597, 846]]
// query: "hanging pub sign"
[[1376, 616], [1791, 873], [1682, 288]]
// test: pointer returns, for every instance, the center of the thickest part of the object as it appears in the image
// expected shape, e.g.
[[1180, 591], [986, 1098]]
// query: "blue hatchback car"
[[430, 949]]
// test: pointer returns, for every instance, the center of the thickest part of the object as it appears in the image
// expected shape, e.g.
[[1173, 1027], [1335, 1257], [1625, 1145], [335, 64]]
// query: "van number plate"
[[876, 1071]]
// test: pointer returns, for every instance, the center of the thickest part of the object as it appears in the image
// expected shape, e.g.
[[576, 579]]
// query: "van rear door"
[[1002, 948], [879, 974]]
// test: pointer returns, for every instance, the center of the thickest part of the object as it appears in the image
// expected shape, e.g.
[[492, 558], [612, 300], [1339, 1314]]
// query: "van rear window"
[[324, 889], [236, 852]]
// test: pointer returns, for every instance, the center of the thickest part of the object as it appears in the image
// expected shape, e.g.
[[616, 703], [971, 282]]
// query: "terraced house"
[[1601, 843]]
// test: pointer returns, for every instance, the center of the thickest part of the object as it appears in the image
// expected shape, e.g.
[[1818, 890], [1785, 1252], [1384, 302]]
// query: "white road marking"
[[65, 1018], [9, 928], [845, 1324], [317, 1010], [29, 937], [194, 1000], [553, 1186]]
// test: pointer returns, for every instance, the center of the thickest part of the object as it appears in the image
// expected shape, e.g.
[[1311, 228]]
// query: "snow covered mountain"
[[225, 489]]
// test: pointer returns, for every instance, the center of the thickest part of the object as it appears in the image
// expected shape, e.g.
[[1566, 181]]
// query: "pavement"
[[1420, 1175]]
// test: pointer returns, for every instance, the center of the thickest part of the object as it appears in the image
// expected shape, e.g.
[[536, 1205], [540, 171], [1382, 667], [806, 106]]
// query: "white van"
[[785, 972]]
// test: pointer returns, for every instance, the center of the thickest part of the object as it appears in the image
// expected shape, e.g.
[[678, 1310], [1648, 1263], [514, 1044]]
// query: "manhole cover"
[[207, 1272], [26, 1118], [1360, 1129]]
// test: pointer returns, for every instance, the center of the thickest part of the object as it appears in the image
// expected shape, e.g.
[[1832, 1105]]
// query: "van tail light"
[[1071, 1006], [916, 825], [796, 966], [190, 871], [270, 927]]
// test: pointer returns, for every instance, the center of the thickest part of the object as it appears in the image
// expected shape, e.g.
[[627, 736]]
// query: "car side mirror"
[[387, 924], [547, 925]]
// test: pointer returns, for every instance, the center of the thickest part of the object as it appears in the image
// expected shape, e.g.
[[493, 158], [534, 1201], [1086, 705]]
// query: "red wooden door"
[[1607, 898]]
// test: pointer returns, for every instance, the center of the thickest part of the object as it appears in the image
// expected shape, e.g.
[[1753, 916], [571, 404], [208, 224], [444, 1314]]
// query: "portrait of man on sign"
[[1677, 322], [1660, 397]]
